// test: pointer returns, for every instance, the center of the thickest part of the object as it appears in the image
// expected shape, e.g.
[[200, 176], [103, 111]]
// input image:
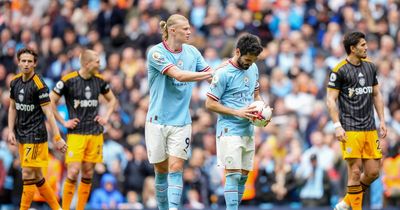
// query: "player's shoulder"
[[339, 66], [99, 76], [16, 77], [367, 60], [69, 76], [38, 81]]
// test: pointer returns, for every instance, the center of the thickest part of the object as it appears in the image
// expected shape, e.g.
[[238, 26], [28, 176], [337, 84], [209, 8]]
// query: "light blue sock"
[[161, 183], [175, 186], [231, 190], [241, 187]]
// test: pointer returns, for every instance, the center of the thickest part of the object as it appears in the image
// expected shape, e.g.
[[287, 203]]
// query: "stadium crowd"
[[302, 42]]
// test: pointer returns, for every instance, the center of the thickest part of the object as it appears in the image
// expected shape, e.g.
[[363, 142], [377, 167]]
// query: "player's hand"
[[101, 120], [382, 129], [341, 134], [247, 112], [61, 145], [72, 123], [11, 138]]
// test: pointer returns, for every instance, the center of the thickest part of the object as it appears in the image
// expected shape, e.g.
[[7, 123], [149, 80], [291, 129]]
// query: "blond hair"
[[172, 20], [86, 56]]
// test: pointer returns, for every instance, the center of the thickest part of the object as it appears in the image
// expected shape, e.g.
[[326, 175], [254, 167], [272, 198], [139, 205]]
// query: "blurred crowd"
[[298, 160]]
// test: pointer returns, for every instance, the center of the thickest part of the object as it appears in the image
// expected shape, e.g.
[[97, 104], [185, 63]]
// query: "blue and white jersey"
[[169, 98], [234, 88]]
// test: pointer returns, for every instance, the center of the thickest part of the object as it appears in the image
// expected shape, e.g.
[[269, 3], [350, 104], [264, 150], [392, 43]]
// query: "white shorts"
[[164, 140], [236, 152]]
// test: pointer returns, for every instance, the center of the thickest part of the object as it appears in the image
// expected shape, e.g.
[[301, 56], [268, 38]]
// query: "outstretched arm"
[[188, 76]]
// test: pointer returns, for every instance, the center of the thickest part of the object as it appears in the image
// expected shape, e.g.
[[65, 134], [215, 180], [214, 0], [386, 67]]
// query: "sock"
[[364, 186], [231, 190], [48, 194], [68, 193], [175, 186], [241, 187], [28, 190], [83, 193], [346, 199], [161, 183], [355, 194]]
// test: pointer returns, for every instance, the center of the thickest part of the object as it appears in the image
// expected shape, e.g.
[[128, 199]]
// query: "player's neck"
[[27, 76], [173, 46], [354, 60], [84, 73]]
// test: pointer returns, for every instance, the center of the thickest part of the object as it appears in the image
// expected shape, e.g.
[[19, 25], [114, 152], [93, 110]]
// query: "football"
[[264, 114]]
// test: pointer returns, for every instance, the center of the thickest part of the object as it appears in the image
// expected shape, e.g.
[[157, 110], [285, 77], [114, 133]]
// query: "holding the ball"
[[264, 114]]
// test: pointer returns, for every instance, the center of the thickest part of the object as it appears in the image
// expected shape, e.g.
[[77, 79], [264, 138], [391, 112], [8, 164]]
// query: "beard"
[[242, 65]]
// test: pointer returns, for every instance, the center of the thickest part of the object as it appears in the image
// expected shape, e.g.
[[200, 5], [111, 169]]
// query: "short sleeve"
[[43, 95], [201, 64], [217, 86], [59, 87], [335, 80], [157, 60], [104, 88], [12, 85]]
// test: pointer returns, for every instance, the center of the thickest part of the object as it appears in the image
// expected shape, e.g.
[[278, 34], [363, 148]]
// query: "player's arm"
[[12, 115], [214, 106], [379, 107], [111, 106], [188, 76], [331, 98], [54, 98], [57, 139], [257, 96]]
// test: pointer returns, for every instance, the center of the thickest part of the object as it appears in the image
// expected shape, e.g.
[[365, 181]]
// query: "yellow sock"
[[48, 194], [83, 193], [28, 191], [346, 199], [68, 193], [355, 194]]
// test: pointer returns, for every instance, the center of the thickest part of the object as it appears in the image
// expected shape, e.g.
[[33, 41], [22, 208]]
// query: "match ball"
[[264, 114]]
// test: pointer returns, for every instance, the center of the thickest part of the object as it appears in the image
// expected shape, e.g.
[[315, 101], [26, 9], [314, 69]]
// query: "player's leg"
[[352, 153], [29, 187], [247, 163], [178, 147], [85, 184], [241, 185], [230, 156], [73, 158], [33, 158], [93, 154], [372, 161], [175, 181], [45, 190], [156, 152], [354, 189]]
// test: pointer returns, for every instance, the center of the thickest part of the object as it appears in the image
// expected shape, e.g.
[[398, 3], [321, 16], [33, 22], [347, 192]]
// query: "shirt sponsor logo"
[[360, 91], [85, 103], [24, 107]]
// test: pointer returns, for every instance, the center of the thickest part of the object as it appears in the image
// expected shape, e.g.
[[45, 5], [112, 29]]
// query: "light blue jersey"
[[234, 88], [169, 98]]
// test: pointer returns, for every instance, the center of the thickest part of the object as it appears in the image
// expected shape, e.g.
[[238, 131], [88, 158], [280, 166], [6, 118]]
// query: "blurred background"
[[302, 42]]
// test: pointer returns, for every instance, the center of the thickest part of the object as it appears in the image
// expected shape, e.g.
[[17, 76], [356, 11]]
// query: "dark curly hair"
[[249, 44]]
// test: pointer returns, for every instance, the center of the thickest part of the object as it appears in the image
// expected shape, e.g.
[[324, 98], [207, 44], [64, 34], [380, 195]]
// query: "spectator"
[[107, 196]]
